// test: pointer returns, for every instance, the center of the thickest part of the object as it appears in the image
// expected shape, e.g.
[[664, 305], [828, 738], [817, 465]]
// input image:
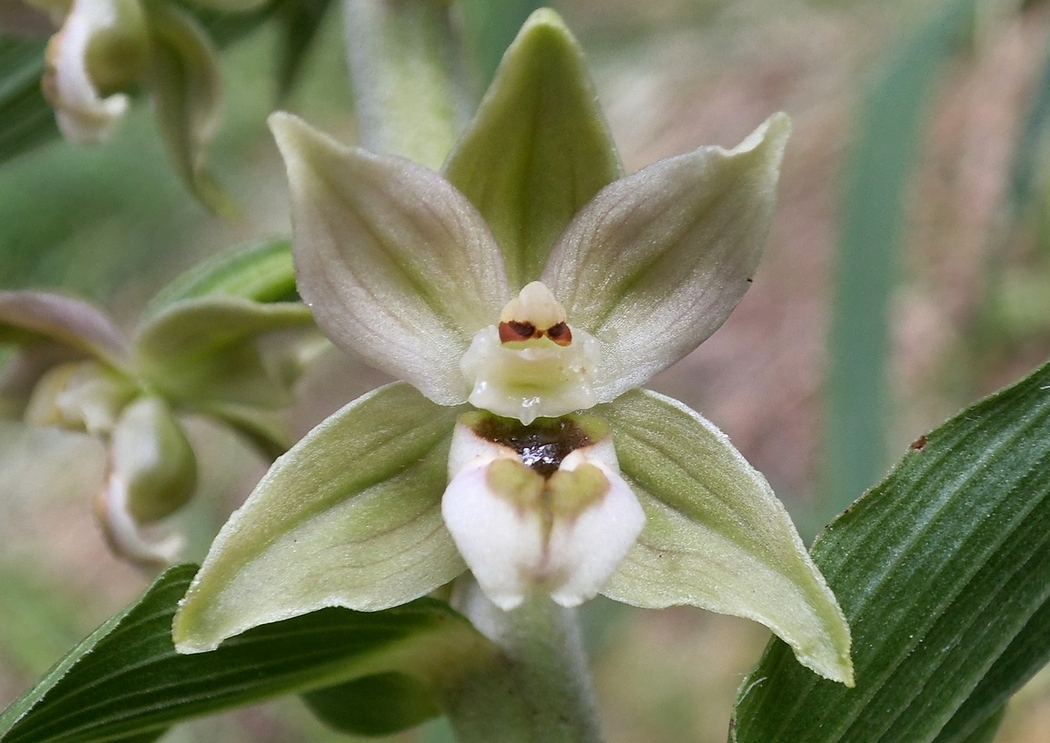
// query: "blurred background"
[[908, 274]]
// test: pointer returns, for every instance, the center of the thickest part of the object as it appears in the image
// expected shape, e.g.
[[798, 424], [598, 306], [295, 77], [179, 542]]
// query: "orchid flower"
[[522, 296], [201, 348]]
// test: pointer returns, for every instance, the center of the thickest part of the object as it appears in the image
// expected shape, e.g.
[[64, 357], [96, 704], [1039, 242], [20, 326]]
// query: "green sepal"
[[206, 350], [186, 88], [350, 516], [943, 571], [716, 536], [538, 148], [383, 704], [29, 317], [260, 271], [126, 682]]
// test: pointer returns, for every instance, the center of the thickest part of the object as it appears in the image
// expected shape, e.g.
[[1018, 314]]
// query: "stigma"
[[532, 363]]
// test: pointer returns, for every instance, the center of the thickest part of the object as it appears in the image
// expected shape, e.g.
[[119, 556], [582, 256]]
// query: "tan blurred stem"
[[406, 70], [541, 692]]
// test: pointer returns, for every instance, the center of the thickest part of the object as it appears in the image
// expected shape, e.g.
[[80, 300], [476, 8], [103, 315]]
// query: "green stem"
[[405, 68], [540, 693]]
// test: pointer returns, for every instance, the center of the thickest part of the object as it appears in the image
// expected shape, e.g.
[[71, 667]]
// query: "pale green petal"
[[658, 260], [207, 349], [716, 536], [351, 516], [538, 148], [28, 317], [396, 264]]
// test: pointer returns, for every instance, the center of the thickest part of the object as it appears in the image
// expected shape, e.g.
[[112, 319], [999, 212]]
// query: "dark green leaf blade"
[[943, 571], [126, 681]]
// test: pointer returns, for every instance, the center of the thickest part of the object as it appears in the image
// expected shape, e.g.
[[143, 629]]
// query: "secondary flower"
[[198, 350], [523, 295]]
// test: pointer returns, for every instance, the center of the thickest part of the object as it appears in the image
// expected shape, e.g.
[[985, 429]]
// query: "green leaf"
[[890, 130], [351, 516], [538, 148], [983, 732], [260, 271], [943, 571], [716, 535], [205, 350], [186, 87], [126, 682], [377, 705], [28, 317]]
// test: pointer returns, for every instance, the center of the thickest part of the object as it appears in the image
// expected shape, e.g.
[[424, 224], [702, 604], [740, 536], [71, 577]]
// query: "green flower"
[[523, 295], [200, 349]]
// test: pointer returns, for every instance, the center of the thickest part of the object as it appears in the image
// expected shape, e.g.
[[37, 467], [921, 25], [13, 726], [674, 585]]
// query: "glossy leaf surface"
[[126, 682], [943, 571]]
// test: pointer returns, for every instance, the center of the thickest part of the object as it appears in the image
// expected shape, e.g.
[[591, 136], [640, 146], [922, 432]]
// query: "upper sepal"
[[716, 535], [316, 532], [656, 261], [396, 264], [538, 148]]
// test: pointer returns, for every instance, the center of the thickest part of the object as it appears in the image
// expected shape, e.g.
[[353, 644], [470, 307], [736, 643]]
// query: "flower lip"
[[538, 508], [543, 445]]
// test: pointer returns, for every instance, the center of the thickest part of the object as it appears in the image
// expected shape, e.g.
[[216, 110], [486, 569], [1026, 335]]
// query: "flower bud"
[[101, 50]]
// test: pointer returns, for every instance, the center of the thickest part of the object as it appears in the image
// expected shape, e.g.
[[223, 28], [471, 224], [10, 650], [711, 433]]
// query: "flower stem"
[[407, 76], [541, 692]]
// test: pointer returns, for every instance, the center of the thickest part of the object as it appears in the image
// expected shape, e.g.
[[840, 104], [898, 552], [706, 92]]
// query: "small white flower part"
[[83, 115], [533, 363], [557, 527]]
